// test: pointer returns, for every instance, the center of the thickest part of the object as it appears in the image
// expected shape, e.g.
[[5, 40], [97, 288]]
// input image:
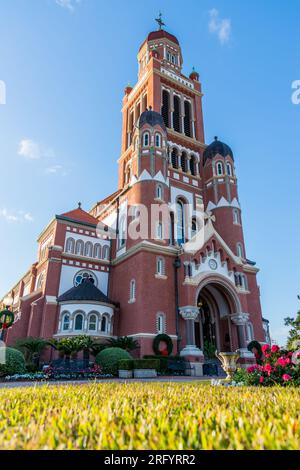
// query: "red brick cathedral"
[[135, 264]]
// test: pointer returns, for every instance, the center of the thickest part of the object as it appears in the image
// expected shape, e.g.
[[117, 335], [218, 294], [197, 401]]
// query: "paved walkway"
[[173, 379]]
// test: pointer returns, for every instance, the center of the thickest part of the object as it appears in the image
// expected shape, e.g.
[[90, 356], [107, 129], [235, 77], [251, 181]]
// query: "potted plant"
[[125, 368], [145, 368]]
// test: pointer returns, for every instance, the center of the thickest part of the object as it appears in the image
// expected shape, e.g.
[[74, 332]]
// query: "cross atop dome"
[[160, 22]]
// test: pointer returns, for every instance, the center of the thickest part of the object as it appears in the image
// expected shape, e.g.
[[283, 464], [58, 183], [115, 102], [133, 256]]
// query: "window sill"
[[160, 276]]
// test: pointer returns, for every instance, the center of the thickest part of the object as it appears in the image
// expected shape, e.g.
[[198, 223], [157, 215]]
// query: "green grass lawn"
[[149, 416]]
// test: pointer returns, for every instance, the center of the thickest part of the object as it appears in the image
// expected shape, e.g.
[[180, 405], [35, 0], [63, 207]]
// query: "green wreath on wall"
[[7, 319], [162, 338]]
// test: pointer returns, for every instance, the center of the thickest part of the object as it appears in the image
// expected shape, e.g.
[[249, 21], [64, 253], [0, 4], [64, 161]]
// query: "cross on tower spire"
[[159, 21]]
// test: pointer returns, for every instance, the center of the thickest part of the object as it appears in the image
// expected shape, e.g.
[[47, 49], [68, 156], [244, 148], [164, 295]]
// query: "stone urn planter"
[[229, 363], [125, 374]]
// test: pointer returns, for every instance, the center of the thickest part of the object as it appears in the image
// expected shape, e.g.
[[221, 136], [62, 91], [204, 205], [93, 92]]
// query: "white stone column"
[[189, 314], [240, 320]]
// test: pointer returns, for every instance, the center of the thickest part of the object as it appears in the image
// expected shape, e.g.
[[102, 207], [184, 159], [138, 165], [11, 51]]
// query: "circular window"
[[83, 276], [213, 264]]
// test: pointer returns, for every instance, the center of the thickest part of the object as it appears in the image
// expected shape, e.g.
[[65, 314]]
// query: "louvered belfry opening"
[[187, 119], [176, 114], [165, 107]]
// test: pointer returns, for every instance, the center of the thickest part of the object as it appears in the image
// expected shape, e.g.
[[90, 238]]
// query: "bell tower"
[[162, 88]]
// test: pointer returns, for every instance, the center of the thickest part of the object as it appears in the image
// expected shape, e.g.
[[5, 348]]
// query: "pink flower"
[[265, 348], [251, 369], [268, 368], [268, 355], [290, 353], [274, 348], [286, 377], [283, 361], [261, 379]]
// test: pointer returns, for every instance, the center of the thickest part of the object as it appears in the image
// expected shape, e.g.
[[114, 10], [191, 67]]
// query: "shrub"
[[146, 364], [14, 362], [109, 359], [164, 361], [126, 364], [278, 367]]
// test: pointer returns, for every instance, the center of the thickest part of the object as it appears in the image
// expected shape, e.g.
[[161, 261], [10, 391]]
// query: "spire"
[[160, 22], [79, 205]]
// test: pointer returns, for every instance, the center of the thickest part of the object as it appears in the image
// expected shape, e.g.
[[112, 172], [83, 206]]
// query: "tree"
[[294, 333], [124, 342]]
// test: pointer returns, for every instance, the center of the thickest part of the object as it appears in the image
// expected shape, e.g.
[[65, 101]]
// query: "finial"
[[216, 137], [193, 69], [159, 21], [79, 205]]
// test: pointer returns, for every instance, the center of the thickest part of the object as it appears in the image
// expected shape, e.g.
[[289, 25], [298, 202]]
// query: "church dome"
[[152, 118], [217, 148]]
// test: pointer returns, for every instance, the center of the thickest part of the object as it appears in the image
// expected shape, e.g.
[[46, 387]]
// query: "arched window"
[[220, 169], [172, 226], [40, 280], [146, 139], [132, 290], [106, 252], [236, 216], [136, 143], [122, 232], [66, 322], [159, 192], [159, 231], [187, 118], [92, 326], [184, 162], [180, 222], [157, 140], [194, 226], [70, 245], [160, 323], [104, 324], [97, 251], [160, 266], [174, 158], [193, 165], [78, 326], [239, 250], [79, 247], [229, 169], [165, 107], [88, 249], [176, 114]]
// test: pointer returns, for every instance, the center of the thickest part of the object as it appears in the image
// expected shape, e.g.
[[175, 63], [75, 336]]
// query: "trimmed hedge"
[[12, 362], [146, 364], [125, 364], [164, 361], [109, 359]]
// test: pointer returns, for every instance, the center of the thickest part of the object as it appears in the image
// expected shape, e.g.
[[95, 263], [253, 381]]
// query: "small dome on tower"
[[217, 148], [152, 118]]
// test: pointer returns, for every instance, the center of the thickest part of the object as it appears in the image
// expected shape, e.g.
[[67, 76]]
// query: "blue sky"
[[65, 64]]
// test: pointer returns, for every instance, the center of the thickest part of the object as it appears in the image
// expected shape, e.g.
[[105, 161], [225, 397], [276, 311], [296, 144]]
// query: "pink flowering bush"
[[276, 368]]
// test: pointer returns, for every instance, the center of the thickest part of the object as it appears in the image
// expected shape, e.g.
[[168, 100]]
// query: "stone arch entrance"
[[211, 323], [217, 302]]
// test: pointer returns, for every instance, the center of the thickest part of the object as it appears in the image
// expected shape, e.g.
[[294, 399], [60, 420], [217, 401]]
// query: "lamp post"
[[6, 316]]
